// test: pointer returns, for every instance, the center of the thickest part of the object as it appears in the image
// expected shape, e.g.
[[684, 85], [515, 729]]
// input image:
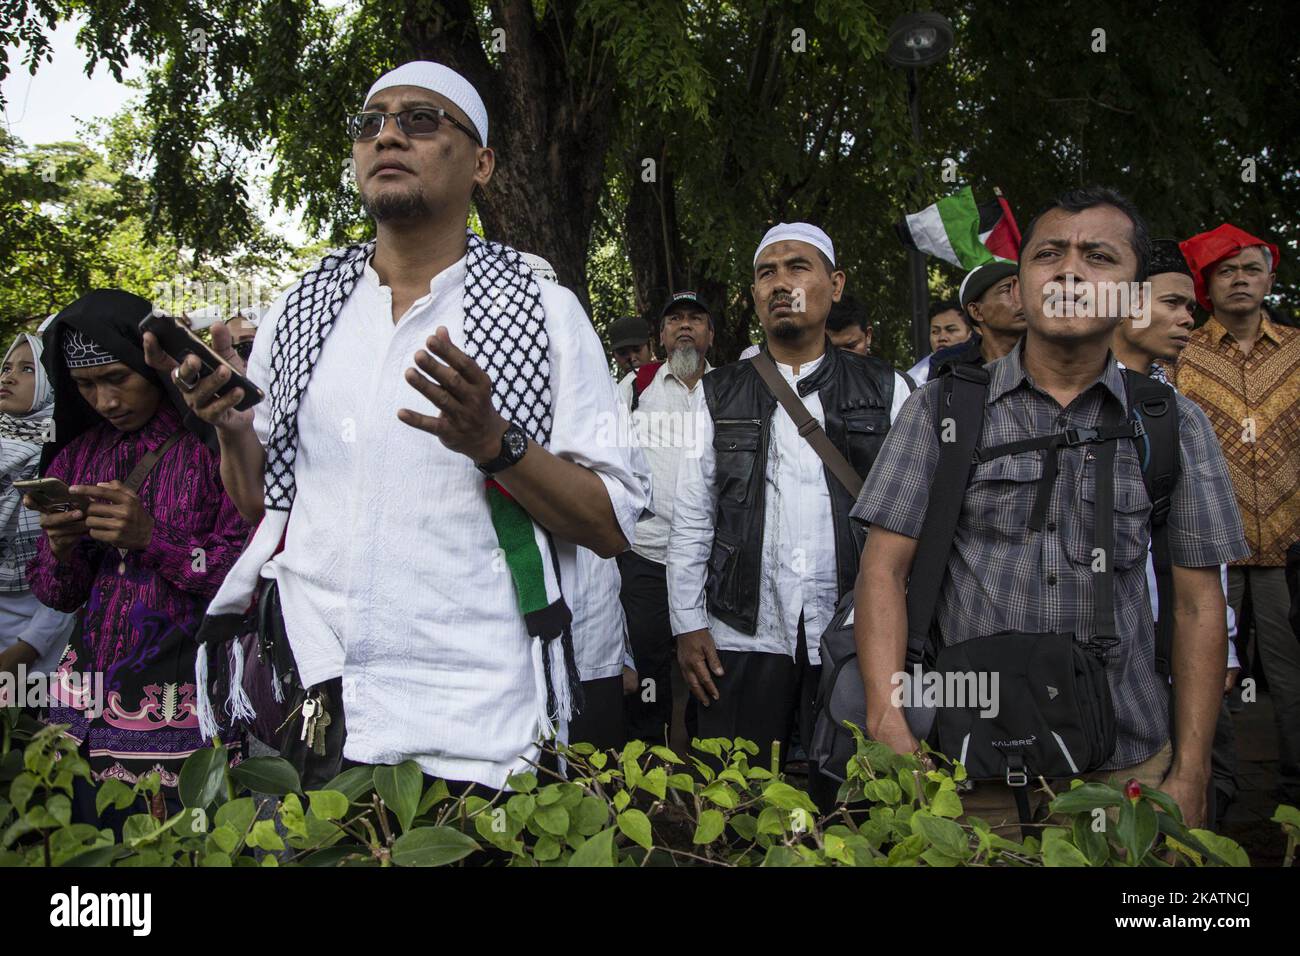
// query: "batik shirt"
[[143, 608]]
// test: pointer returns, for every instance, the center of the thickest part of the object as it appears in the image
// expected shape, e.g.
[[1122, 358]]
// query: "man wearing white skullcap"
[[437, 506], [761, 548]]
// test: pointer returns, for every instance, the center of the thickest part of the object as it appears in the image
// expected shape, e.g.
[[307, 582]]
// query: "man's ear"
[[838, 279], [485, 163], [1015, 293]]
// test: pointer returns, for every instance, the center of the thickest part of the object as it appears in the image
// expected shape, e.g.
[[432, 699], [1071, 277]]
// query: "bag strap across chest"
[[146, 464]]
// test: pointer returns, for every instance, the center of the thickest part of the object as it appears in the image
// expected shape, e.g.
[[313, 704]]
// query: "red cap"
[[1210, 248]]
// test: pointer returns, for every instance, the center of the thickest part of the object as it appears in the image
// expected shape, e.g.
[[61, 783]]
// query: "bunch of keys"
[[315, 718]]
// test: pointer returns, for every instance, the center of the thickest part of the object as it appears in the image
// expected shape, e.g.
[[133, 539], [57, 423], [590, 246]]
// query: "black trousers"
[[644, 594], [765, 698], [601, 721]]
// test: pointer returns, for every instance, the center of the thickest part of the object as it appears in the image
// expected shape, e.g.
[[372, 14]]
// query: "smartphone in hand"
[[178, 342], [51, 495]]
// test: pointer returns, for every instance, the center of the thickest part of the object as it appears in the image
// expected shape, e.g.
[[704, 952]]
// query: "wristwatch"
[[514, 443]]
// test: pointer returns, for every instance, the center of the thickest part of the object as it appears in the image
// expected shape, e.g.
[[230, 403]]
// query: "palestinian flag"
[[956, 229]]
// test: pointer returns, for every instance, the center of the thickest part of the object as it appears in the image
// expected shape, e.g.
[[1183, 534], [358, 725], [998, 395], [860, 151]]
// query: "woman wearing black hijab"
[[143, 561]]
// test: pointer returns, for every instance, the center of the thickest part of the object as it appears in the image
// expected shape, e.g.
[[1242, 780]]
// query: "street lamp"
[[918, 40]]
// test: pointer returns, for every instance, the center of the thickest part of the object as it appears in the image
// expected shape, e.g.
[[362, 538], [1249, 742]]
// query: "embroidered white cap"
[[541, 268], [442, 80], [799, 232]]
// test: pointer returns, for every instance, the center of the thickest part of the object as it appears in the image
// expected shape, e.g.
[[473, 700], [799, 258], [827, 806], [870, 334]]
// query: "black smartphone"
[[178, 341]]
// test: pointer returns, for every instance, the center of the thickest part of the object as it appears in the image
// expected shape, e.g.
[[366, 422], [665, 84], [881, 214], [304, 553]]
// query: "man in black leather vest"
[[761, 546]]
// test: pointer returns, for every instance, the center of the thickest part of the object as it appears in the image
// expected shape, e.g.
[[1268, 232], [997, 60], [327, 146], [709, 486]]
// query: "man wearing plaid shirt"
[[1003, 577]]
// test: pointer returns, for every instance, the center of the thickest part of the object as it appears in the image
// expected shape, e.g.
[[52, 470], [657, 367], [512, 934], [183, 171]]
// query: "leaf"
[[292, 816], [400, 787], [745, 825], [547, 849], [1136, 830], [272, 775], [590, 816], [522, 782], [1084, 798], [1226, 849], [1091, 843], [115, 794], [721, 794], [432, 846], [948, 837], [434, 795], [237, 814], [781, 794], [621, 800], [1286, 815], [945, 803], [636, 825], [354, 783], [780, 855], [203, 777], [264, 837], [598, 850], [226, 838], [665, 754], [1059, 851], [710, 826], [21, 790], [553, 819], [655, 781], [99, 856], [682, 781], [328, 804]]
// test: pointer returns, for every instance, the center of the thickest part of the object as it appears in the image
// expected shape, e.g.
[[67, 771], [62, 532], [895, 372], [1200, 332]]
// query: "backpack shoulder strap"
[[959, 418], [644, 376], [1155, 405]]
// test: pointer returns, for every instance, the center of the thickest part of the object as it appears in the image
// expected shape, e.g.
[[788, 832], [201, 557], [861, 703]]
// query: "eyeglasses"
[[421, 121], [244, 349]]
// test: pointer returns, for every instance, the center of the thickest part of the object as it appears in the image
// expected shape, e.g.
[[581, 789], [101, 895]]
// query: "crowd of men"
[[423, 543]]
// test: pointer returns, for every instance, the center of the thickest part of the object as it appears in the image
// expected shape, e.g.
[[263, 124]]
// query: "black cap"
[[982, 278], [1167, 257], [629, 330], [688, 297]]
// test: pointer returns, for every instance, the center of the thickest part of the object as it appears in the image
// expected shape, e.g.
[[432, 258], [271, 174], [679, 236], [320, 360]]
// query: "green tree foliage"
[[752, 112]]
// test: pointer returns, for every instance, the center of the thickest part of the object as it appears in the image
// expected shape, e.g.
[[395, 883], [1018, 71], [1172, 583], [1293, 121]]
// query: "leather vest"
[[856, 394]]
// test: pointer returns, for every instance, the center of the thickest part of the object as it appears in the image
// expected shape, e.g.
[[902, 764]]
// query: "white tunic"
[[391, 575]]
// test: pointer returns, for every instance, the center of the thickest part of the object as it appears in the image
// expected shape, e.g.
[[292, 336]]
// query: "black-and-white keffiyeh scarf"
[[21, 438], [505, 333]]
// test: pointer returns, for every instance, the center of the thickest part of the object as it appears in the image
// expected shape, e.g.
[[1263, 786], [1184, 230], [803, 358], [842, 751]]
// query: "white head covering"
[[43, 393], [442, 80], [799, 232]]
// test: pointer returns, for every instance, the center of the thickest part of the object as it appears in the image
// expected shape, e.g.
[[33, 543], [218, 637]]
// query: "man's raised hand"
[[468, 422]]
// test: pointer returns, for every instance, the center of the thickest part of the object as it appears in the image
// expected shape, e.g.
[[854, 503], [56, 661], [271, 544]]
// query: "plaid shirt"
[[1004, 577]]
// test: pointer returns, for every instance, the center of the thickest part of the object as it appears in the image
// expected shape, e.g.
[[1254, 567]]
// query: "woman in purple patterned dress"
[[144, 564]]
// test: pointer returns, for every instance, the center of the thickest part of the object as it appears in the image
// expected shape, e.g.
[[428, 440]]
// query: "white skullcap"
[[799, 232], [442, 80], [541, 268]]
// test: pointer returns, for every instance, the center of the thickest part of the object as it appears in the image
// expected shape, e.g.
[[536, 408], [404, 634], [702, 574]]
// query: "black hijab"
[[111, 318]]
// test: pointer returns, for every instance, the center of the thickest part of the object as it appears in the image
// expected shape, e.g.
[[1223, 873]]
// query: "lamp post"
[[918, 40]]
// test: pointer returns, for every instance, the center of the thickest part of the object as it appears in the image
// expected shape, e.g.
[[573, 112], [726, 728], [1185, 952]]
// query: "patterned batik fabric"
[[142, 608], [1253, 402]]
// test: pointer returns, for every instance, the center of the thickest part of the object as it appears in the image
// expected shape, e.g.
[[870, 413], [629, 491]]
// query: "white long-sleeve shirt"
[[599, 626], [667, 429], [391, 574], [798, 573], [45, 630]]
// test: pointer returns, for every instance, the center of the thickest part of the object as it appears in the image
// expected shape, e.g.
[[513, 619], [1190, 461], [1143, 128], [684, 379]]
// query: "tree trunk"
[[550, 116]]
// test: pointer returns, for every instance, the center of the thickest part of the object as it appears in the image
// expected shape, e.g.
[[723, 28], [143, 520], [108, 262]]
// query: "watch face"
[[516, 444]]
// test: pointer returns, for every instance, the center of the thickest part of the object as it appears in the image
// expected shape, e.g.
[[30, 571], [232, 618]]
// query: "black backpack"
[[841, 695]]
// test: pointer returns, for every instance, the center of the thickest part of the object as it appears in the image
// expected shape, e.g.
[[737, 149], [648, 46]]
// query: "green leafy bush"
[[646, 806]]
